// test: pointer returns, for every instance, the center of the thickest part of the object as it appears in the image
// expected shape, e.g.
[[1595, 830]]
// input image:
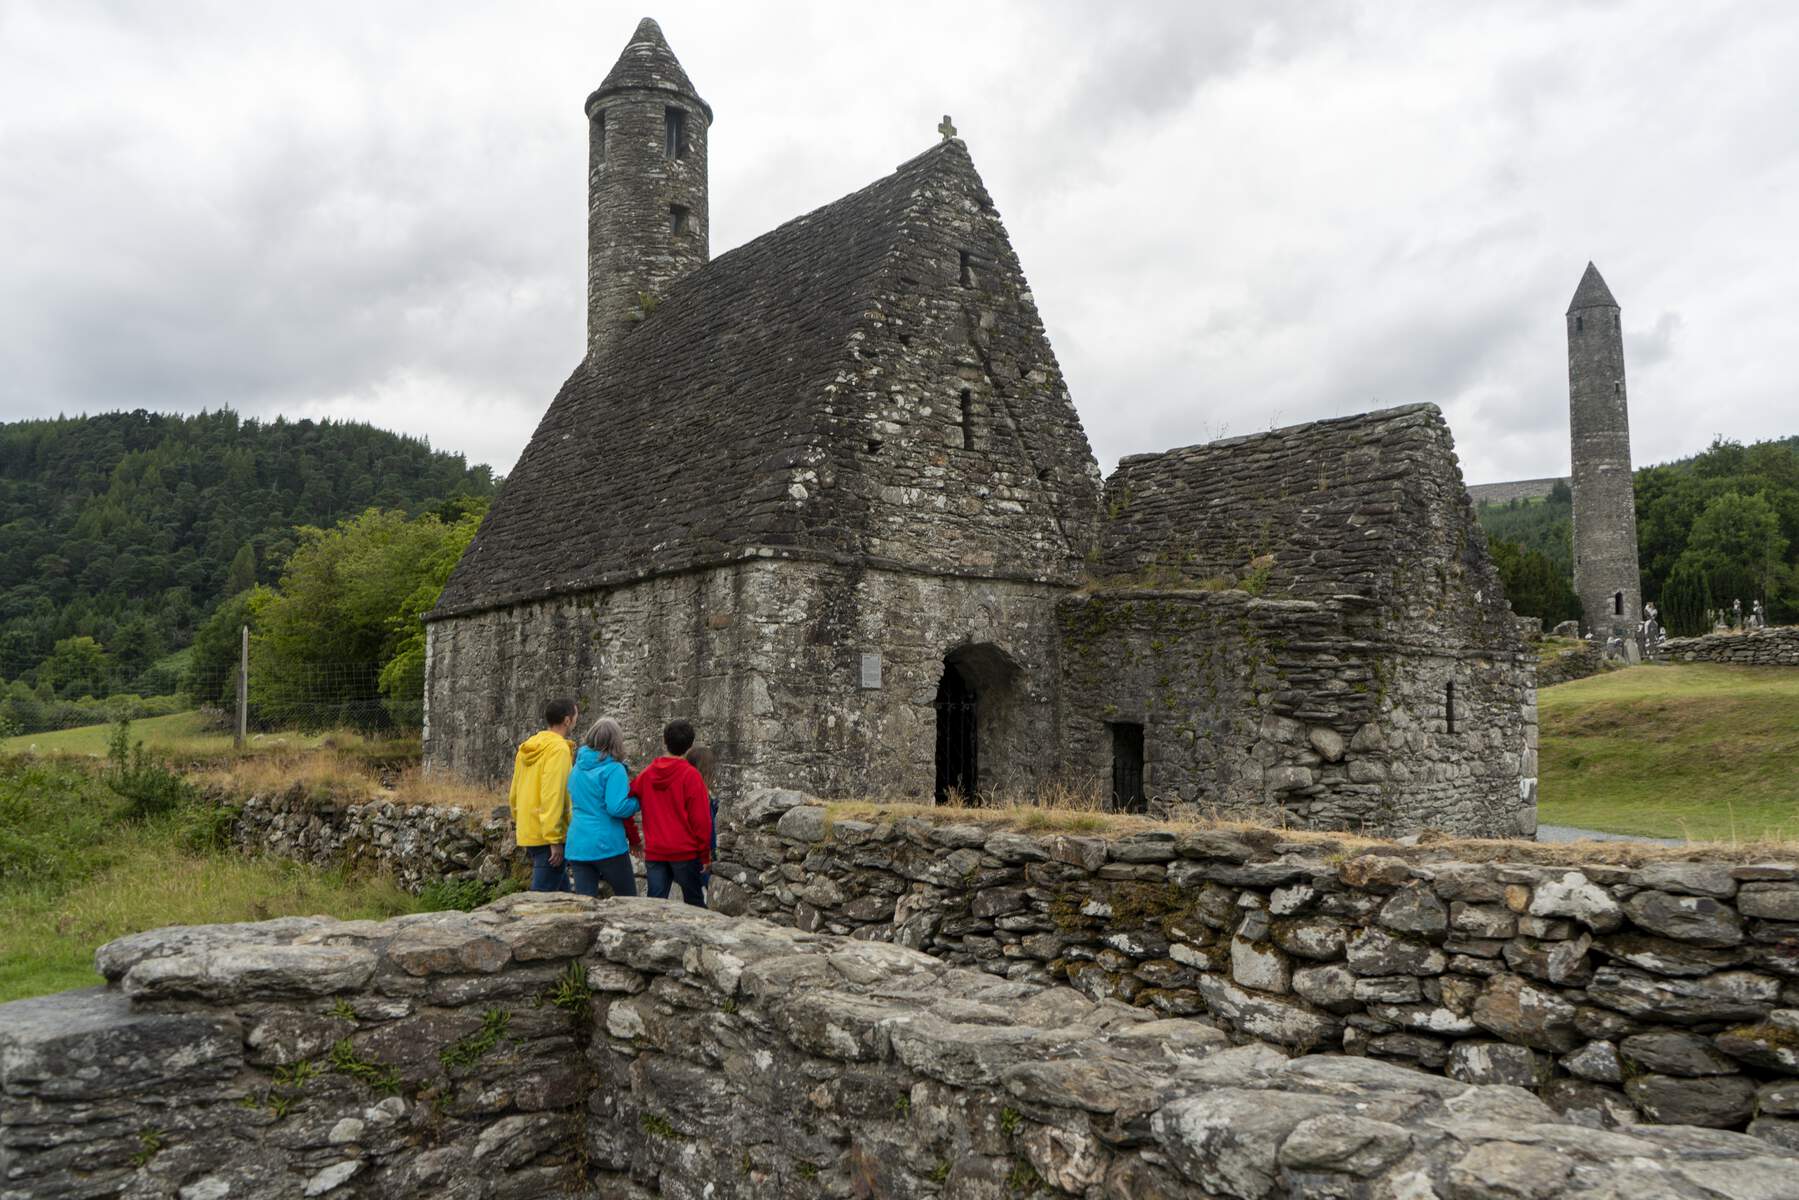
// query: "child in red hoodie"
[[677, 819]]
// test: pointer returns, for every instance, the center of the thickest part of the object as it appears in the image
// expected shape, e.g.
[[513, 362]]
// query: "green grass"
[[75, 874], [1695, 750], [186, 736], [1551, 648]]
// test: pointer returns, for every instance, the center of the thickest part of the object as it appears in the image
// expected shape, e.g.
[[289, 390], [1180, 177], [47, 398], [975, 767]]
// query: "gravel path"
[[1570, 833]]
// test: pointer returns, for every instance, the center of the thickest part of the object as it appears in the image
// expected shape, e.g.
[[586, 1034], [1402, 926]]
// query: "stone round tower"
[[646, 186], [1605, 515]]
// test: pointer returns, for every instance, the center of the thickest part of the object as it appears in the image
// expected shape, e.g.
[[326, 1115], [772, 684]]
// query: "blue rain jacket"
[[601, 803]]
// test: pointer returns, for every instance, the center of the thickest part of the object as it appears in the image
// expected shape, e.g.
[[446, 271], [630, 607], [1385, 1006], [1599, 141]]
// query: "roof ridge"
[[1370, 417], [845, 199]]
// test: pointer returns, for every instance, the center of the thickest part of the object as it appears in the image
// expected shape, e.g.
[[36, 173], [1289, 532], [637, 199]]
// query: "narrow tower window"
[[677, 219], [599, 138], [967, 419], [1449, 707], [674, 127], [967, 270], [1579, 324], [1617, 604]]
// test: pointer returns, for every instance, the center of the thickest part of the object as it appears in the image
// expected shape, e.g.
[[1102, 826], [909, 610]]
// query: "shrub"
[[52, 817], [463, 895], [149, 788]]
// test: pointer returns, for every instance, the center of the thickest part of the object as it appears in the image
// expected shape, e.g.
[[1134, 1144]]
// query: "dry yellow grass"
[[346, 778], [416, 785], [1429, 847], [321, 774]]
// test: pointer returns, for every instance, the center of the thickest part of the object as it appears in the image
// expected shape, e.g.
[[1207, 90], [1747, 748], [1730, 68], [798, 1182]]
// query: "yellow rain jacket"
[[539, 796]]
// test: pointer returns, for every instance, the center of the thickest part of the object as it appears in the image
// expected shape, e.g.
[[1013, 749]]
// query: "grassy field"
[[182, 735], [1696, 750], [79, 868], [49, 937]]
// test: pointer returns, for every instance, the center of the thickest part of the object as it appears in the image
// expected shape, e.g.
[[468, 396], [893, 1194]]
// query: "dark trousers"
[[660, 875], [614, 871], [544, 877]]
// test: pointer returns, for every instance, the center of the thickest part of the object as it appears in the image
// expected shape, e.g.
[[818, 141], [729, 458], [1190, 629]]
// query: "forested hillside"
[[1720, 526], [121, 533]]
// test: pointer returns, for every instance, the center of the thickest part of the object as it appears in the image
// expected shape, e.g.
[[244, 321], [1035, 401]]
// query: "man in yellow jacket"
[[539, 795]]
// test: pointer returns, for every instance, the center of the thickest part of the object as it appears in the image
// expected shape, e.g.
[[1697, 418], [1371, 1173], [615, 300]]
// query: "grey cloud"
[[1651, 347], [377, 211]]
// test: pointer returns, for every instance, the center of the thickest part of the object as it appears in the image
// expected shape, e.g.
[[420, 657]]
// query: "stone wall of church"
[[1292, 711], [800, 673], [560, 1047], [643, 653]]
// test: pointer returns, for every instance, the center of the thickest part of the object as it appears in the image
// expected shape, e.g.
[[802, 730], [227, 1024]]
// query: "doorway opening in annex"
[[1127, 766], [958, 736], [972, 706]]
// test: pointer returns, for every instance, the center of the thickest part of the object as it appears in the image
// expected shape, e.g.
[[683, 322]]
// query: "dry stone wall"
[[1577, 663], [415, 844], [1778, 647], [1666, 992], [562, 1047]]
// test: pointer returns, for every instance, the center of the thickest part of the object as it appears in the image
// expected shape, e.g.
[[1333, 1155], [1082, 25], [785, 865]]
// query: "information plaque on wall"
[[871, 670]]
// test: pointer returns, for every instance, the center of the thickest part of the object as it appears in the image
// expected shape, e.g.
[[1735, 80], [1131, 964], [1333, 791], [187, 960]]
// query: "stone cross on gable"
[[947, 128]]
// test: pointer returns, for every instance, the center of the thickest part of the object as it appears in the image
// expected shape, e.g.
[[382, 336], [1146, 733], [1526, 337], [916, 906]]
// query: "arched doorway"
[[958, 735]]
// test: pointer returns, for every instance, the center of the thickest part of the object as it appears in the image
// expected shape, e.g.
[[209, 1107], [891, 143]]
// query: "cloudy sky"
[[1233, 216]]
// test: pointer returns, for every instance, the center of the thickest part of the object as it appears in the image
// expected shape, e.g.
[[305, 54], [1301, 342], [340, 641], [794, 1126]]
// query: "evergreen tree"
[[241, 576], [1533, 585], [1685, 603]]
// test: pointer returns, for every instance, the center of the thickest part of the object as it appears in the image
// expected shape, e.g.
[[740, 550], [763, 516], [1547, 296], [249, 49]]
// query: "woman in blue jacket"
[[601, 832]]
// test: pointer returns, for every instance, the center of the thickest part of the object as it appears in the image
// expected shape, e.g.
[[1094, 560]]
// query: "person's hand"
[[555, 856]]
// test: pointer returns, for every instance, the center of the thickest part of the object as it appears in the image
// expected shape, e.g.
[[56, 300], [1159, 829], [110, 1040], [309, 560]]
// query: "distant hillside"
[[129, 528], [1516, 489]]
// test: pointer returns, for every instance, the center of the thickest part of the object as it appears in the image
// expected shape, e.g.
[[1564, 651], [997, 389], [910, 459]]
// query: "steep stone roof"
[[683, 449], [1370, 507], [647, 64], [1592, 292]]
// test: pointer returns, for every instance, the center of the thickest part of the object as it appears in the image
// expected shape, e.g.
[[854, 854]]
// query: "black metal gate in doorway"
[[957, 717], [1127, 767]]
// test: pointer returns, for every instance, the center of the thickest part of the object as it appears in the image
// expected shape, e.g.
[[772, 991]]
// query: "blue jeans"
[[660, 875], [615, 871], [544, 877]]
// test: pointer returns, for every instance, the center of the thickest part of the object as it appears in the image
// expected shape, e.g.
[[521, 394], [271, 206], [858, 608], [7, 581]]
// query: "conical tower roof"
[[1592, 292], [647, 64]]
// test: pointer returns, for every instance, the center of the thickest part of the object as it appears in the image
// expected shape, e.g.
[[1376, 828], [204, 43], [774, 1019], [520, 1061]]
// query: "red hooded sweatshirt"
[[677, 813]]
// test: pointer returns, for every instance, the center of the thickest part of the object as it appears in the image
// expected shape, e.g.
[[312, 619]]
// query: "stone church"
[[828, 496]]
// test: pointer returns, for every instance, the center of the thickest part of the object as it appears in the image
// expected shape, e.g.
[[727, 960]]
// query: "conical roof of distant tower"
[[647, 64], [1592, 292]]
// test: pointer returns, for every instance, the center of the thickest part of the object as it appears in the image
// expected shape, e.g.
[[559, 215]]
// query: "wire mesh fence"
[[308, 696]]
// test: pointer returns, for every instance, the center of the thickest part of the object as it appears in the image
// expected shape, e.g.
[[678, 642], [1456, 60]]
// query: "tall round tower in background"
[[1605, 514], [646, 186]]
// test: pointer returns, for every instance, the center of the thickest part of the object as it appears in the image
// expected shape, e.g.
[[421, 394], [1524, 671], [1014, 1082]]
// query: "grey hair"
[[605, 736]]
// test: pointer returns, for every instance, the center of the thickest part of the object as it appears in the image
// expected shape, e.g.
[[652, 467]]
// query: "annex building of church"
[[827, 495]]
